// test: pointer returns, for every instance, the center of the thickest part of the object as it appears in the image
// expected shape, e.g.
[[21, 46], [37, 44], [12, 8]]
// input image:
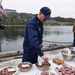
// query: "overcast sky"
[[62, 8]]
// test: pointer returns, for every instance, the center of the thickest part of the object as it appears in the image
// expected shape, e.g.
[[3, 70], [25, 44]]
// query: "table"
[[34, 69]]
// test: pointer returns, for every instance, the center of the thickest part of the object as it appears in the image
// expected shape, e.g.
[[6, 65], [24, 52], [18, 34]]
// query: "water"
[[59, 34], [12, 38]]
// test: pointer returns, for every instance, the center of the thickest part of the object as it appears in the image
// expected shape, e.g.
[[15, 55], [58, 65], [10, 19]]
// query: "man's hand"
[[45, 58]]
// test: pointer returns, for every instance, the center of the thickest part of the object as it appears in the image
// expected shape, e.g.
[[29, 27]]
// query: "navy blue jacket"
[[32, 40]]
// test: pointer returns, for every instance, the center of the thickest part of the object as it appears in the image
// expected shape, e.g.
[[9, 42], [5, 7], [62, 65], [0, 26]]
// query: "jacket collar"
[[37, 20]]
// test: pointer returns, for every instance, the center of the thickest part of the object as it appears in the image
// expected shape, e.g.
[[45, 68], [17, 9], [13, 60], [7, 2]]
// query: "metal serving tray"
[[50, 73], [25, 70], [43, 69], [64, 65], [9, 67]]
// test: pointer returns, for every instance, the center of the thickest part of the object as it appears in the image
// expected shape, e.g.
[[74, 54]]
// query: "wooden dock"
[[5, 56]]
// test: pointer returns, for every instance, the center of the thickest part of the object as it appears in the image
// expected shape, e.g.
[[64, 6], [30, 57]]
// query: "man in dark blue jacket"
[[33, 37]]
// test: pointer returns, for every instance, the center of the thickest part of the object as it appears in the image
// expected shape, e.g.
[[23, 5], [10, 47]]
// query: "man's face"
[[42, 17]]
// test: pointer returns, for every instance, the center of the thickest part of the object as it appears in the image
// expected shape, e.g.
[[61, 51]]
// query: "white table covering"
[[34, 69]]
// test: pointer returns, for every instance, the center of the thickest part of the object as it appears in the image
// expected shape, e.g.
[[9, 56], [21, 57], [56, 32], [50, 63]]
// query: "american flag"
[[0, 1], [3, 11]]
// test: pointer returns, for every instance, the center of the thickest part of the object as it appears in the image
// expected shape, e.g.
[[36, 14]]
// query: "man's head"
[[44, 14]]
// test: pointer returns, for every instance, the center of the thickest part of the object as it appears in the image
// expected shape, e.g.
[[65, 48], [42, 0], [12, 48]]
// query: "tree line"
[[23, 18]]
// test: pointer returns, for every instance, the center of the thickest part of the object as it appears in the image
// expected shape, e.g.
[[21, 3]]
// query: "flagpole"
[[0, 31], [5, 14], [0, 41]]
